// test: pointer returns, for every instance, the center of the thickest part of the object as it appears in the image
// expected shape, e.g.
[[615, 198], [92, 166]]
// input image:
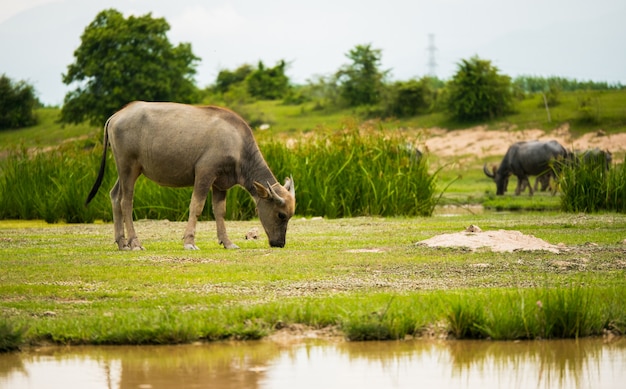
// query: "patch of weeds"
[[380, 325], [568, 313], [11, 336], [466, 319]]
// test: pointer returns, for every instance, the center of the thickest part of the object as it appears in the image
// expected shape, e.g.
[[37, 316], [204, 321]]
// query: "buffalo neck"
[[254, 168]]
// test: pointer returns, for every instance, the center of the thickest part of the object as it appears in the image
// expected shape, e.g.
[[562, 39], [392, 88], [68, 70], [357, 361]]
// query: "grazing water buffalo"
[[177, 145], [593, 156], [523, 159]]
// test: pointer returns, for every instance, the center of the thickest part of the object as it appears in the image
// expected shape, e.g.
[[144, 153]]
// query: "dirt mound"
[[502, 240]]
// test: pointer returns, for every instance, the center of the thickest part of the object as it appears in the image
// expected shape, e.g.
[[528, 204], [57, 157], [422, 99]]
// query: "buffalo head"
[[276, 204], [502, 180]]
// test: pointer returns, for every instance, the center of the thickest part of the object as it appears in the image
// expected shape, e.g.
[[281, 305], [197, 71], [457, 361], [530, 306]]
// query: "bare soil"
[[481, 142]]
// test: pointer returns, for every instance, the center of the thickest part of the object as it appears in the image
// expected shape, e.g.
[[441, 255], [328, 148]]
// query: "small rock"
[[253, 234], [473, 228]]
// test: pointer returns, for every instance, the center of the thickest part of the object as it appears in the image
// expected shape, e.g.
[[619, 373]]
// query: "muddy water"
[[587, 363]]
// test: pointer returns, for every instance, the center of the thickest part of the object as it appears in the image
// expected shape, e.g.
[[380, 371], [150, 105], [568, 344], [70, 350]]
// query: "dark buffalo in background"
[[524, 159], [595, 156]]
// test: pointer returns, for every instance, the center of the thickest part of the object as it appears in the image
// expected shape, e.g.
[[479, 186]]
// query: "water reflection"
[[587, 363]]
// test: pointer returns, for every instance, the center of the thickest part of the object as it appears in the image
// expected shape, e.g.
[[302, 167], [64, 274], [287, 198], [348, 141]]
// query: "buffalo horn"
[[487, 172], [277, 199]]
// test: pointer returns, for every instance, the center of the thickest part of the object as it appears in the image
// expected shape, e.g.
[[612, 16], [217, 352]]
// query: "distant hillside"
[[583, 111]]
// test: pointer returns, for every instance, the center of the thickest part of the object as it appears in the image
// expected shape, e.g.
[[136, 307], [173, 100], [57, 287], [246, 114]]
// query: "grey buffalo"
[[595, 156], [208, 148], [524, 159]]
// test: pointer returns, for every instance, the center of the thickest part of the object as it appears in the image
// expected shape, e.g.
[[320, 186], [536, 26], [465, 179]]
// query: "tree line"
[[141, 64]]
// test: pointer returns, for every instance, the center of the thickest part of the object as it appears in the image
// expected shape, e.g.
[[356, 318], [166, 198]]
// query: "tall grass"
[[587, 186], [352, 174], [344, 175], [567, 312], [47, 185]]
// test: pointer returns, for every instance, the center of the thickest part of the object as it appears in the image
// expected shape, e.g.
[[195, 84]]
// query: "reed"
[[588, 186], [350, 174], [344, 175]]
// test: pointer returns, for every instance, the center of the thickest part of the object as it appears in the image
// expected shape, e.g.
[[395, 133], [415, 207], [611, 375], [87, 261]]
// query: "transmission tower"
[[432, 64]]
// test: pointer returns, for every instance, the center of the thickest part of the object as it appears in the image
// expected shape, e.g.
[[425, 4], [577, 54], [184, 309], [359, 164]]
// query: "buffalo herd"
[[542, 159]]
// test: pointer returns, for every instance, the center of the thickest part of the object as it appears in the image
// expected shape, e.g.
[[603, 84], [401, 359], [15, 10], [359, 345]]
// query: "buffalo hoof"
[[189, 246]]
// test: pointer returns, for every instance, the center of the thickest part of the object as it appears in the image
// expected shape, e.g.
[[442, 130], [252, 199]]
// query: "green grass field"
[[364, 276], [67, 283]]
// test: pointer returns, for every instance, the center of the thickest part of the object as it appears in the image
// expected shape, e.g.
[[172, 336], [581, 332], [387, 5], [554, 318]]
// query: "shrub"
[[17, 104], [477, 91]]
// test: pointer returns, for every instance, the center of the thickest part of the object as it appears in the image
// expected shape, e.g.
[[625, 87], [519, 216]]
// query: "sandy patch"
[[474, 238], [481, 142]]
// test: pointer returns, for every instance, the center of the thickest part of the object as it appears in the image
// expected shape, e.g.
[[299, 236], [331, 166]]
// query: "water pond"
[[315, 363]]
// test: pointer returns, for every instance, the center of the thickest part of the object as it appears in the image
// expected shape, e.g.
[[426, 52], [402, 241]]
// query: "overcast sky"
[[567, 38]]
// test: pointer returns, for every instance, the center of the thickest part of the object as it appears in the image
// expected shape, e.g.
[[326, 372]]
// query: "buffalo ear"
[[261, 191], [267, 193]]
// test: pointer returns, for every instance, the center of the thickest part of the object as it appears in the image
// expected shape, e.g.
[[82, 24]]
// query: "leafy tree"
[[477, 91], [268, 83], [227, 78], [408, 98], [362, 81], [17, 104], [125, 59]]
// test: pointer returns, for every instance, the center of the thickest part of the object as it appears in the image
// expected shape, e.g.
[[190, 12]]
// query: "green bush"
[[17, 104], [477, 91]]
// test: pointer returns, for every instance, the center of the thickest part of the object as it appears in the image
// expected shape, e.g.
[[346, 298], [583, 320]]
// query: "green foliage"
[[226, 78], [588, 186], [464, 319], [124, 59], [268, 83], [540, 313], [323, 91], [589, 107], [552, 96], [353, 174], [533, 84], [11, 336], [571, 311], [17, 104], [408, 98], [47, 185], [247, 84], [478, 92], [362, 81], [350, 176]]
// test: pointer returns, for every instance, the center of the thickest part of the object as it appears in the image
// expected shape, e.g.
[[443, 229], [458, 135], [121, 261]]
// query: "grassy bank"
[[68, 284]]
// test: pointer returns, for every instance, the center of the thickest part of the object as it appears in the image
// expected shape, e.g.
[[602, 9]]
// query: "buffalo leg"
[[118, 218], [198, 199], [219, 210], [126, 181]]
